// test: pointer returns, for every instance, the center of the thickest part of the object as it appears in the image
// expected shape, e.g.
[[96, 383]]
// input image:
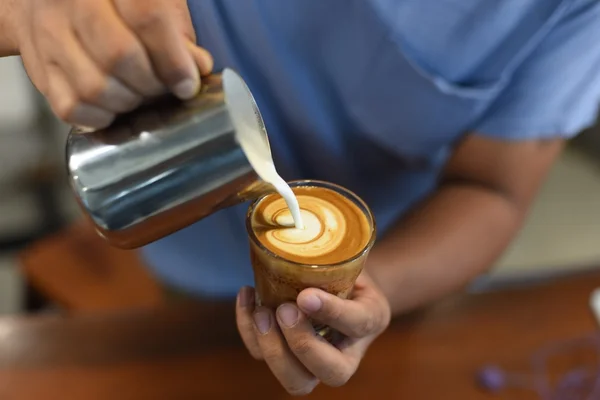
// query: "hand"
[[296, 355], [93, 59]]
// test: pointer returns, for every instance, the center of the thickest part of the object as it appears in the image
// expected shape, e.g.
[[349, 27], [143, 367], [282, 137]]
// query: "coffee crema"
[[335, 229]]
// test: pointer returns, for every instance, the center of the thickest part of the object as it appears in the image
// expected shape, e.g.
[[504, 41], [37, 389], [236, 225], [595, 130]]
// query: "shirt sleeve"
[[555, 92]]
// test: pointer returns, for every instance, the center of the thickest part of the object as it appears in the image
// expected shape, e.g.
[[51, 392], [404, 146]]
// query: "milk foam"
[[324, 227], [252, 137]]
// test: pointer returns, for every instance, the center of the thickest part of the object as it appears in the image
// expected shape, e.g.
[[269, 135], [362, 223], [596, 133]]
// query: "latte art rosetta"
[[334, 228]]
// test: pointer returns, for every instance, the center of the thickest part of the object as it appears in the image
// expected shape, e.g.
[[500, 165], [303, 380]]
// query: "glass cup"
[[278, 280]]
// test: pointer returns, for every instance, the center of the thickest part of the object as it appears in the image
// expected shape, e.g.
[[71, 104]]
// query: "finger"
[[66, 106], [324, 361], [203, 59], [245, 322], [51, 81], [87, 80], [355, 318], [181, 12], [293, 376], [156, 26], [35, 69], [119, 53]]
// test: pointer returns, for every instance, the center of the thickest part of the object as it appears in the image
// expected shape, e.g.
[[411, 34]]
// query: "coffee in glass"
[[329, 253]]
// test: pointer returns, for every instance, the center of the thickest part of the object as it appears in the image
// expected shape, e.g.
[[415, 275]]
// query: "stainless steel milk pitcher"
[[166, 165]]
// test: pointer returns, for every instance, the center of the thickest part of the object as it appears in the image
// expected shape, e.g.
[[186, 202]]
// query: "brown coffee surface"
[[335, 229]]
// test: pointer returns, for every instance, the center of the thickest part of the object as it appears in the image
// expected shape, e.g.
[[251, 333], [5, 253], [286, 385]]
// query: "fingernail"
[[288, 315], [186, 89], [246, 297], [311, 303], [262, 319]]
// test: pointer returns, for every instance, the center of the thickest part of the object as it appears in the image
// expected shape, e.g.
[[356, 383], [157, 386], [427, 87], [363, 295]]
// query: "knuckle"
[[382, 319], [270, 353], [64, 108], [86, 14], [121, 54], [386, 318], [253, 349], [48, 32], [92, 90], [365, 327], [256, 354], [246, 327], [302, 346], [335, 378], [147, 18]]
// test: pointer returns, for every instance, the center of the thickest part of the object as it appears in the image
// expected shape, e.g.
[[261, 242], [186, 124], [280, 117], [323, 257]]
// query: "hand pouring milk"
[[169, 163]]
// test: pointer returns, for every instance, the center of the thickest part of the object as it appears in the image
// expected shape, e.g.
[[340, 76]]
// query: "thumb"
[[350, 317]]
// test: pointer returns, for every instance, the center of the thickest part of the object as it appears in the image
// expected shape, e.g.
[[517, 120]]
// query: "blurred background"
[[34, 197], [561, 235]]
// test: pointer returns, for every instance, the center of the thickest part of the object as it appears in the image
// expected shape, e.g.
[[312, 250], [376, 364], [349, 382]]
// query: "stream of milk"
[[251, 135]]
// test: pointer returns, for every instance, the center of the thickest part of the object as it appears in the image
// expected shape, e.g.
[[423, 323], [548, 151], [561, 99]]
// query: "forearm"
[[8, 28], [449, 239]]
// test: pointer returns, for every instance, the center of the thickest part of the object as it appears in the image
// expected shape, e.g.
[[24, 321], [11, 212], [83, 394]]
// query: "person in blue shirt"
[[443, 115]]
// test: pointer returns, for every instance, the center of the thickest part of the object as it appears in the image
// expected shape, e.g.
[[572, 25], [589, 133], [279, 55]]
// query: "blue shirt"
[[373, 94]]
